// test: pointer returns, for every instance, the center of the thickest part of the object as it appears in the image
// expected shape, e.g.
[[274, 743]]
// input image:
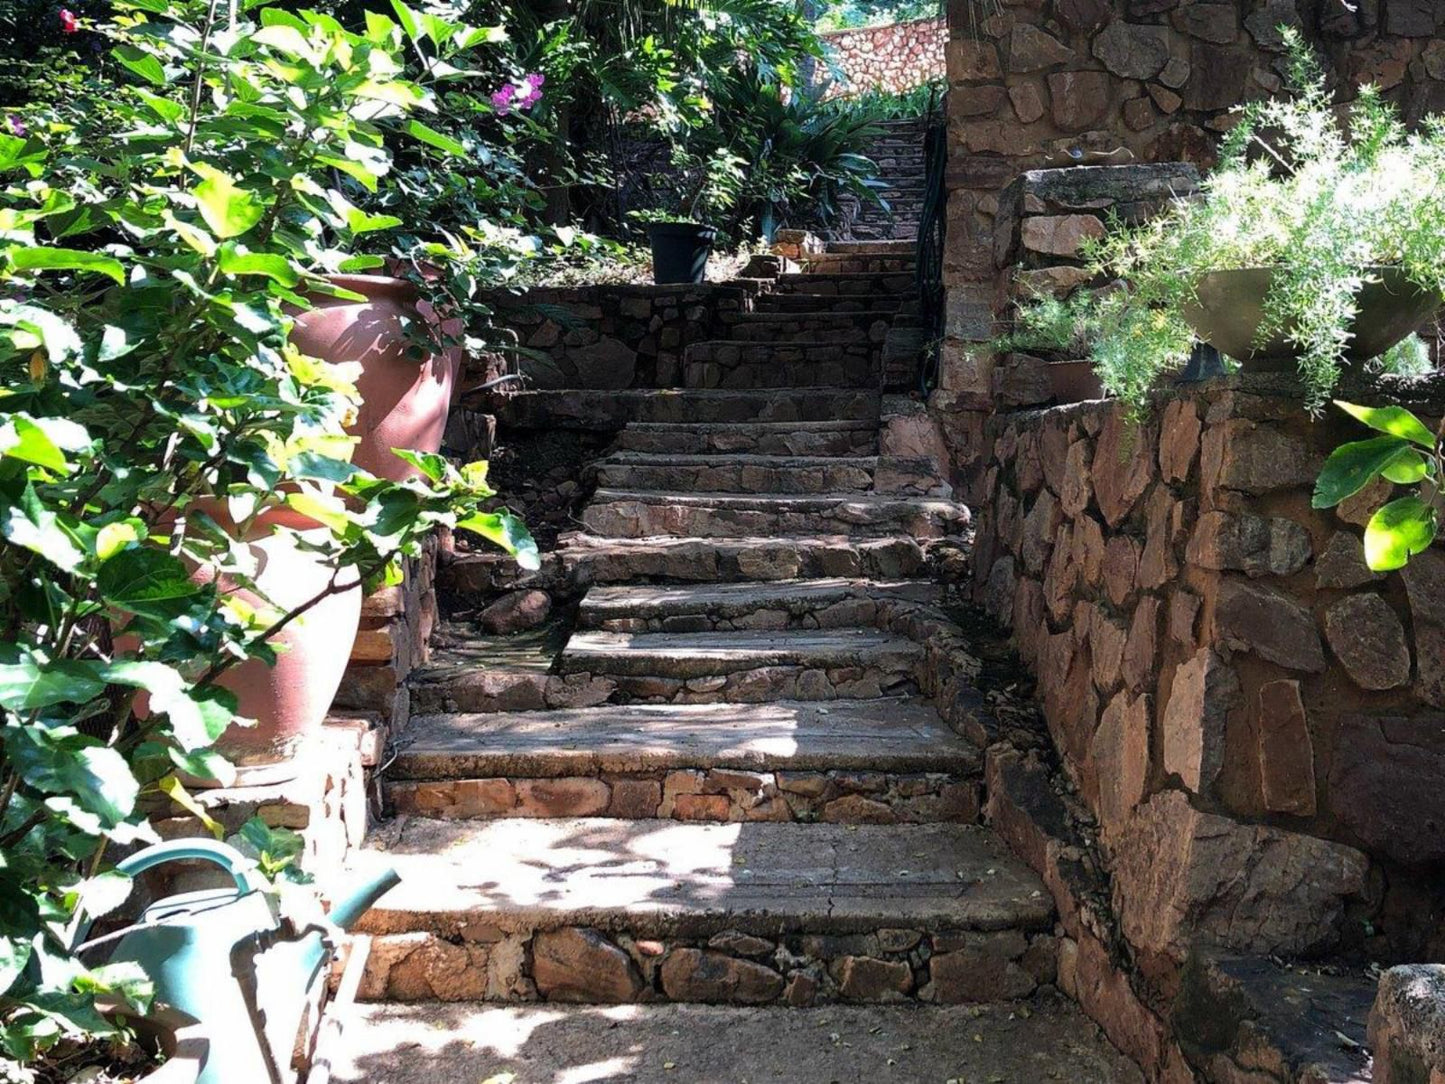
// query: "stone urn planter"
[[1230, 309], [405, 400], [680, 251], [289, 700]]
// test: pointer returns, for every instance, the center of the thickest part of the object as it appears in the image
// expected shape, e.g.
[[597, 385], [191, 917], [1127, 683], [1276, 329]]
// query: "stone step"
[[756, 438], [885, 304], [630, 514], [854, 762], [601, 410], [865, 284], [731, 560], [723, 1044], [825, 603], [849, 263], [843, 362], [600, 910], [732, 473]]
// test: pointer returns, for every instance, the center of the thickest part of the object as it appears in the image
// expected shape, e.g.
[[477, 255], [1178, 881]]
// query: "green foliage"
[[847, 14], [155, 417], [1319, 200], [1406, 453], [876, 104]]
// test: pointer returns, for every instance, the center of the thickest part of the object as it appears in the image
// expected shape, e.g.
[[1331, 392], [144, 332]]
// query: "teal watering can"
[[234, 959]]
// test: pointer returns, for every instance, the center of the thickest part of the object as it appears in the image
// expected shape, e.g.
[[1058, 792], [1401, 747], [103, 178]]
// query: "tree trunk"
[[808, 9]]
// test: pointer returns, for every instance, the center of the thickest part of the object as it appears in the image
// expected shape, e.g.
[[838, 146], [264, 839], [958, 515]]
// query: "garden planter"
[[680, 251], [289, 700], [1230, 309], [404, 401]]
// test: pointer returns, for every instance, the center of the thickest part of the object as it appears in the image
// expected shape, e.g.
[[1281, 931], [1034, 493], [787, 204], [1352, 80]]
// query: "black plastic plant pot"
[[680, 251]]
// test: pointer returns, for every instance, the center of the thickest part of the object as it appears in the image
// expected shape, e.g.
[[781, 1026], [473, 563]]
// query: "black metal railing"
[[932, 228]]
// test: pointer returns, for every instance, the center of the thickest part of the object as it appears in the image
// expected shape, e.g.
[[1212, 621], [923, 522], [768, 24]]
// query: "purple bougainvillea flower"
[[502, 99], [69, 24], [16, 125], [535, 80]]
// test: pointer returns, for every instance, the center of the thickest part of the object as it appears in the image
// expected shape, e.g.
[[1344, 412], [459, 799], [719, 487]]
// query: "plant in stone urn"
[[1405, 453], [1315, 243]]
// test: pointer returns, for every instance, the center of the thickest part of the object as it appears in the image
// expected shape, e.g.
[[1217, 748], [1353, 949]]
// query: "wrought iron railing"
[[932, 228]]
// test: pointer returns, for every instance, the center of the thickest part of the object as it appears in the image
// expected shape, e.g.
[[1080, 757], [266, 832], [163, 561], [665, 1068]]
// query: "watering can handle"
[[229, 859]]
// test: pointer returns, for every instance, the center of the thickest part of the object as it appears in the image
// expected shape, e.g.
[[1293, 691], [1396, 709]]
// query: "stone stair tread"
[[740, 459], [741, 557], [893, 734], [800, 502], [840, 425], [590, 407], [651, 600], [655, 878], [703, 654], [435, 1043]]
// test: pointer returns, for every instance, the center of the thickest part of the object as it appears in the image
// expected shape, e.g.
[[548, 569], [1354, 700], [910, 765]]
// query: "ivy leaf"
[[508, 532], [44, 258], [1397, 532], [228, 210], [1353, 466], [1394, 420]]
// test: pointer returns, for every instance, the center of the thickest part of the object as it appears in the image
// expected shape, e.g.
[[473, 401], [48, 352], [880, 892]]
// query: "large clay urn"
[[405, 399], [289, 700]]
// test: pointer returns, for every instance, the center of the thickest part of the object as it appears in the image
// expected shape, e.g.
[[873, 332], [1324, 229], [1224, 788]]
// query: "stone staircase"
[[898, 153], [744, 779]]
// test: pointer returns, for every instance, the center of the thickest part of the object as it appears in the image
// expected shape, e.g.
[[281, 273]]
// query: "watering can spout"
[[356, 897]]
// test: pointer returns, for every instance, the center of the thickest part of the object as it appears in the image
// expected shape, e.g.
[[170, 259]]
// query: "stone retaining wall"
[[1252, 716], [892, 58], [616, 336]]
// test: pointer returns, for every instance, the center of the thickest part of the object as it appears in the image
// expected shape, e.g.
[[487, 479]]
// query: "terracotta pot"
[[404, 402], [1230, 310], [289, 700]]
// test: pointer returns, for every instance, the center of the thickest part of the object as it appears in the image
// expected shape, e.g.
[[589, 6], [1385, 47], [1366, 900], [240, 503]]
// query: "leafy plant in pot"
[[704, 187], [1314, 244], [163, 442]]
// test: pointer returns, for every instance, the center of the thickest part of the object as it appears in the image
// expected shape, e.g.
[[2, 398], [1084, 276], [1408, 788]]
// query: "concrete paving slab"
[[700, 1044]]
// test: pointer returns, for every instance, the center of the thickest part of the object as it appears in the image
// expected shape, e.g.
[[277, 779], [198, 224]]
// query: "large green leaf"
[[39, 530], [1394, 420], [14, 955], [140, 63], [27, 686], [170, 695], [508, 532], [1353, 466], [44, 258], [61, 761], [274, 267], [1397, 532], [228, 210], [138, 579], [431, 136]]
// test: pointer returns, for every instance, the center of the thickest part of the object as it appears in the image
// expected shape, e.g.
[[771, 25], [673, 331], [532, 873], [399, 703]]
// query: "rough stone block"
[[1203, 692]]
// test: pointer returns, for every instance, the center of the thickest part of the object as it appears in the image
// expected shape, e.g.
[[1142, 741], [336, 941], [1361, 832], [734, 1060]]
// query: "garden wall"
[[892, 58], [1064, 82], [1252, 716], [615, 336]]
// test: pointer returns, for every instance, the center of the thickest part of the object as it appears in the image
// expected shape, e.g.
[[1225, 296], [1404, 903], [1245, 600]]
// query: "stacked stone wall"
[[1253, 717], [893, 58]]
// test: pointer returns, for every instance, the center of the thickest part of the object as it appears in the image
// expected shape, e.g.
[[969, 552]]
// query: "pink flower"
[[69, 24], [16, 125], [535, 80], [502, 99]]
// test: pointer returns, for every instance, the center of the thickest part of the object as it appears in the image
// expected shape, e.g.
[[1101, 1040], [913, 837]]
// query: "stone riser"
[[865, 248], [848, 614], [862, 303], [847, 264], [802, 331], [720, 795], [739, 439], [901, 229], [731, 561], [845, 373], [762, 685], [738, 478], [579, 964], [895, 285], [800, 354], [636, 519]]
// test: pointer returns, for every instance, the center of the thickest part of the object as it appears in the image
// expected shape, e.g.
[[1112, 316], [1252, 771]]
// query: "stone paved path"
[[732, 788]]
